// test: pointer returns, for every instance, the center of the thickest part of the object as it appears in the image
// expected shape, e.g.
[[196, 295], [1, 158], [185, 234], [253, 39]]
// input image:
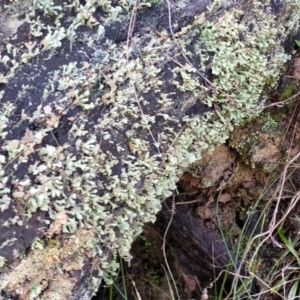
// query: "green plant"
[[172, 297], [123, 293], [282, 278], [145, 240], [290, 245]]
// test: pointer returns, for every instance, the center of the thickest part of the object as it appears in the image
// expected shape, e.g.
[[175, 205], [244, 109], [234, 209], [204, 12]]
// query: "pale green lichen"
[[78, 177], [270, 125], [2, 261]]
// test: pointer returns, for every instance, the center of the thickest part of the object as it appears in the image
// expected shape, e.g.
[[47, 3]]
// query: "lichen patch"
[[92, 130], [48, 271]]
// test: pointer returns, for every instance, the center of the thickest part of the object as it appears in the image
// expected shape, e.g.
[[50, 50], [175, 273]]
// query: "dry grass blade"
[[136, 290], [164, 247]]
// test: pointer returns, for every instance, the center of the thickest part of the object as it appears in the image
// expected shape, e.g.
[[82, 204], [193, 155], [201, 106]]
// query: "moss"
[[271, 82], [145, 240], [289, 91], [246, 147]]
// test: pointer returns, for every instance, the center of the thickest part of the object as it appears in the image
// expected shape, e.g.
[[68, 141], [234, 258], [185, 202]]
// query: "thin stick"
[[164, 246], [188, 202], [13, 160], [54, 138], [281, 103], [131, 27]]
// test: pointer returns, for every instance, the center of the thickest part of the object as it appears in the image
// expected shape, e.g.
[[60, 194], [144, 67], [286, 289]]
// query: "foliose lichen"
[[121, 157]]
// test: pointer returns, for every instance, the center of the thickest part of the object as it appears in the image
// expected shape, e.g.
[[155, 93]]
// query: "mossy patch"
[[289, 91]]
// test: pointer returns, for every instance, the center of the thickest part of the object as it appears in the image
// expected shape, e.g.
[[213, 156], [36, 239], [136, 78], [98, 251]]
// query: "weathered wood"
[[102, 110], [201, 252]]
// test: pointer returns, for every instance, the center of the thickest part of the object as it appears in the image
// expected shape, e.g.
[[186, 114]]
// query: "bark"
[[201, 252], [96, 127]]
